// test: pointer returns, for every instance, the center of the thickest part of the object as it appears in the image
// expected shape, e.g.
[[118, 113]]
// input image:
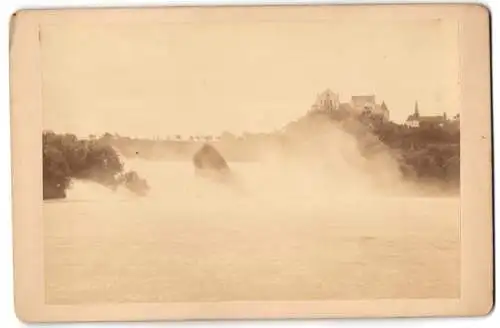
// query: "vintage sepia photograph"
[[248, 156]]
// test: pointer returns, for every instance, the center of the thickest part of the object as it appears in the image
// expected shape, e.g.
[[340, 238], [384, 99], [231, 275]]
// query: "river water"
[[273, 235]]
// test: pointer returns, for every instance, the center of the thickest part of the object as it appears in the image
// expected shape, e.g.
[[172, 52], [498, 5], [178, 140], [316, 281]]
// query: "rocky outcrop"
[[208, 162], [134, 183]]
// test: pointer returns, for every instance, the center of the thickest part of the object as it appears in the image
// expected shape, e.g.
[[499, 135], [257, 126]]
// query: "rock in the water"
[[210, 163], [135, 184]]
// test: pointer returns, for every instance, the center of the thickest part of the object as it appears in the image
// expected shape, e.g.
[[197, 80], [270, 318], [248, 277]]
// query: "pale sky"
[[206, 78]]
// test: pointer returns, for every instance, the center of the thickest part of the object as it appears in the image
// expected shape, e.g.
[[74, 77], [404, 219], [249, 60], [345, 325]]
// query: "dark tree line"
[[65, 157], [425, 153]]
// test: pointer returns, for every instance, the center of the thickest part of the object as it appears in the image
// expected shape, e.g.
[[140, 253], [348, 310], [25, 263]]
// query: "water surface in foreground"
[[275, 238]]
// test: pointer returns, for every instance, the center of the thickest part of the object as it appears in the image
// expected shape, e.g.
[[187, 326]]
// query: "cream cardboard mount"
[[72, 265]]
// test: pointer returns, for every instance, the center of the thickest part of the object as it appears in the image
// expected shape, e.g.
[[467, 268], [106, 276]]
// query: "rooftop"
[[429, 119], [363, 99]]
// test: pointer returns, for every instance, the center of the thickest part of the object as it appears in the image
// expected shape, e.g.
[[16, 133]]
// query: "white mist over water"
[[320, 169]]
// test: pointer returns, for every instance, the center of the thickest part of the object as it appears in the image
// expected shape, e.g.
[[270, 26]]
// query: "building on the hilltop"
[[363, 103], [384, 111], [326, 102], [367, 106], [416, 120]]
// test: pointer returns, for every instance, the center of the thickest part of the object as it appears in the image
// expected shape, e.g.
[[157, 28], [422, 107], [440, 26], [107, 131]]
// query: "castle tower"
[[383, 106], [385, 111], [327, 102]]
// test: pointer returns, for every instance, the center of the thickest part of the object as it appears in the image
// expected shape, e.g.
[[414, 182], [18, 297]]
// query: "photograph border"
[[476, 214]]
